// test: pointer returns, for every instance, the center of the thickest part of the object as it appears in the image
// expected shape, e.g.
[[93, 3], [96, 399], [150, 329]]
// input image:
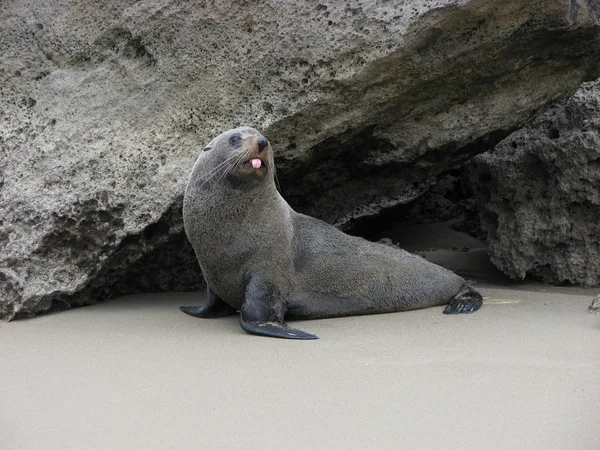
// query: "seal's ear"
[[209, 146]]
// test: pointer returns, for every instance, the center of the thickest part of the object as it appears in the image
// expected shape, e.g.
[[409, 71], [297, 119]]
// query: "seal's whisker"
[[276, 178], [240, 158], [208, 179], [245, 155], [227, 170], [234, 164], [215, 171], [212, 176], [230, 165], [219, 166]]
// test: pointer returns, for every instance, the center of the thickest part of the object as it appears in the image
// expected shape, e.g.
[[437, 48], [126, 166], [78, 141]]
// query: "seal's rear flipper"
[[262, 314], [215, 307], [467, 301], [274, 329]]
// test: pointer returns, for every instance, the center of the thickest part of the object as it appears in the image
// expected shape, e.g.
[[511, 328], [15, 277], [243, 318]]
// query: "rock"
[[595, 306], [387, 241], [539, 194], [106, 105]]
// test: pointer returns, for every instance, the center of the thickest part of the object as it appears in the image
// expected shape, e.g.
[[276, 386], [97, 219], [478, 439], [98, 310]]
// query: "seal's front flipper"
[[467, 301], [274, 329], [215, 307], [263, 316]]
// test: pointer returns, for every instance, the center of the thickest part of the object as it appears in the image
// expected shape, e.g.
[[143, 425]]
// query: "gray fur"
[[242, 230]]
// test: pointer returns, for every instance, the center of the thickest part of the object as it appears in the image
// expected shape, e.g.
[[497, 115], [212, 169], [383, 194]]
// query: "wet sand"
[[134, 373]]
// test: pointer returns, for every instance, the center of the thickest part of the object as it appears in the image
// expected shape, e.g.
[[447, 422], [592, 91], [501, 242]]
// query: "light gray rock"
[[539, 194], [105, 106], [595, 306]]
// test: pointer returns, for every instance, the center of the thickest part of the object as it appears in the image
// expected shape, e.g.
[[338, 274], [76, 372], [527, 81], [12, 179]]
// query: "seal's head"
[[241, 157]]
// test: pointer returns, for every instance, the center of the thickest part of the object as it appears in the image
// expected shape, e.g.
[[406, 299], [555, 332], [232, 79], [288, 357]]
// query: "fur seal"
[[261, 257]]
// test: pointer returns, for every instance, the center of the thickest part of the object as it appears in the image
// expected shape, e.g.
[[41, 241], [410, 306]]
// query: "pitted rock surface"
[[539, 194], [105, 106]]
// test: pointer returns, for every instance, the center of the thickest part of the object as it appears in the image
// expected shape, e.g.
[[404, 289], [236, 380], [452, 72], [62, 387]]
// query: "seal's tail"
[[467, 301]]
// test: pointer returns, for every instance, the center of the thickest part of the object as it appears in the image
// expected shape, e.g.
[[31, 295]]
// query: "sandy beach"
[[136, 373]]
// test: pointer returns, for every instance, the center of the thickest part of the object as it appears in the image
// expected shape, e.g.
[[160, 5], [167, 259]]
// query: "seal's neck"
[[239, 193], [231, 200]]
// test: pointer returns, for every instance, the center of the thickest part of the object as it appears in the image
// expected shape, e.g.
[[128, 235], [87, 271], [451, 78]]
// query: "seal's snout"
[[257, 158], [262, 144]]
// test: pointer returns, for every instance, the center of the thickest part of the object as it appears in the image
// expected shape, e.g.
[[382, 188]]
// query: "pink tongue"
[[256, 163]]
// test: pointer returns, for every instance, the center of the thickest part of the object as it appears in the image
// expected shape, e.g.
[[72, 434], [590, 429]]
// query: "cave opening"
[[450, 200]]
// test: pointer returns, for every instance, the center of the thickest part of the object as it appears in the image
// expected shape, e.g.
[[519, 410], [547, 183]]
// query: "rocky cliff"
[[105, 106]]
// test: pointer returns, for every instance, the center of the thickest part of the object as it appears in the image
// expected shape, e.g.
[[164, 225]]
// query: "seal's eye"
[[235, 140]]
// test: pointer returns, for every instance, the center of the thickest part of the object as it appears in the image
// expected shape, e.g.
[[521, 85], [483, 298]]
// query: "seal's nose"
[[262, 143]]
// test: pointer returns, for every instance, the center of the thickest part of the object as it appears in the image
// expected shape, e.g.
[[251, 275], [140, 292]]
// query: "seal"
[[262, 258]]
